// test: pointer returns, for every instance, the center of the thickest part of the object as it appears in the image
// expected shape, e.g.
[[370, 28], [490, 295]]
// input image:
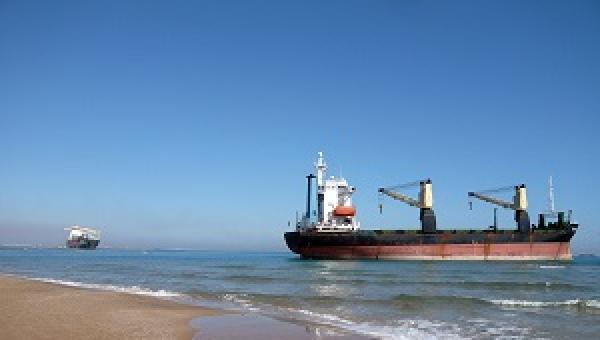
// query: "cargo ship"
[[333, 232], [82, 237]]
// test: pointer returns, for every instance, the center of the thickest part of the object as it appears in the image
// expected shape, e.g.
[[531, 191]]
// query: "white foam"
[[538, 304], [135, 290], [552, 267], [593, 303], [400, 330], [240, 300]]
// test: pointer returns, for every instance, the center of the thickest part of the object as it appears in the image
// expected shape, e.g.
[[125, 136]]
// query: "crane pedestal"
[[428, 225], [523, 223]]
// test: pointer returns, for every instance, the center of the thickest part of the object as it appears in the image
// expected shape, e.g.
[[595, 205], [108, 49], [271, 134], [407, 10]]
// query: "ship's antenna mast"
[[321, 168], [551, 210], [551, 196]]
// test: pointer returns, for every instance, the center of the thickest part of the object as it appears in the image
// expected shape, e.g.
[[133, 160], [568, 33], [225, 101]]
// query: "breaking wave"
[[539, 304], [441, 300], [401, 329], [135, 290]]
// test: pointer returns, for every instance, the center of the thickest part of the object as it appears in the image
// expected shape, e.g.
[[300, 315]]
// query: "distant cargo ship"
[[336, 234], [82, 237]]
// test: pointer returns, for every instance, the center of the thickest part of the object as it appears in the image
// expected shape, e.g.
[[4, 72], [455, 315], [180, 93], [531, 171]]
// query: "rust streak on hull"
[[549, 251], [544, 245], [502, 252]]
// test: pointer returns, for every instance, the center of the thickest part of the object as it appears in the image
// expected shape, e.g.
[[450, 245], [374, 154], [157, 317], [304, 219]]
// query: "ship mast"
[[321, 168], [551, 209]]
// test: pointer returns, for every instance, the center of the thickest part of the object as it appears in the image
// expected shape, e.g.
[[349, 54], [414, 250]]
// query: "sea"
[[374, 299]]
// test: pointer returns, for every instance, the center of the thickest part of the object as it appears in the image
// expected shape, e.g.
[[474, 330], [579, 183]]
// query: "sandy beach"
[[38, 310]]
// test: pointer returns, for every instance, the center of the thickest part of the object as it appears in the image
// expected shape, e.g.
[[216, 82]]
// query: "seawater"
[[381, 299]]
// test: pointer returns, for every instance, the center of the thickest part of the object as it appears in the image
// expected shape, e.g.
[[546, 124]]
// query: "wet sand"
[[254, 326], [38, 310]]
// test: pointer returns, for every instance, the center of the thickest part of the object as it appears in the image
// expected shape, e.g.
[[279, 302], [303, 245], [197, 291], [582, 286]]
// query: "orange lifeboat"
[[344, 211]]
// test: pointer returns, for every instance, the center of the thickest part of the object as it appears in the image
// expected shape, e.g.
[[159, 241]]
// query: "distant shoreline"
[[32, 309]]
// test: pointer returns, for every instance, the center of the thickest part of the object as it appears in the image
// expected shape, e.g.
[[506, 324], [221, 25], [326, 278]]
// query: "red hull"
[[503, 251]]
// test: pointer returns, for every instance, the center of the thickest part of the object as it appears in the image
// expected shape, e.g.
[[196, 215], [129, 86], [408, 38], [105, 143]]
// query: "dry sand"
[[38, 310]]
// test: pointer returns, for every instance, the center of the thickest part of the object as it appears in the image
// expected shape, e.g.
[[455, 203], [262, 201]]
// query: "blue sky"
[[193, 123]]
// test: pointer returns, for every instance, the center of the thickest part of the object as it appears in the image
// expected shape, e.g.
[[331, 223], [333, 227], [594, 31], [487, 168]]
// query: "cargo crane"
[[424, 202], [519, 203]]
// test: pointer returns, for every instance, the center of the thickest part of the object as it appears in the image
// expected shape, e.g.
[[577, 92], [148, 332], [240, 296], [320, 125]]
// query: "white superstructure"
[[335, 212], [76, 232]]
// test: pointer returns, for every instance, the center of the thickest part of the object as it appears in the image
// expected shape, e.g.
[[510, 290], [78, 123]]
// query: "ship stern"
[[292, 239]]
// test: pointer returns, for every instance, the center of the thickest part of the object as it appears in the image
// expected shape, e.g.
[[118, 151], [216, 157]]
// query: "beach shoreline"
[[275, 296], [31, 309]]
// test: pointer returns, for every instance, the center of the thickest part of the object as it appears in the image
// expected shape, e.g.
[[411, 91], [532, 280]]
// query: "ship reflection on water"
[[332, 280]]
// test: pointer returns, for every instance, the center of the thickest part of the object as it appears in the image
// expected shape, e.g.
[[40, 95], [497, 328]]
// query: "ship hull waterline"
[[83, 244], [478, 246]]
